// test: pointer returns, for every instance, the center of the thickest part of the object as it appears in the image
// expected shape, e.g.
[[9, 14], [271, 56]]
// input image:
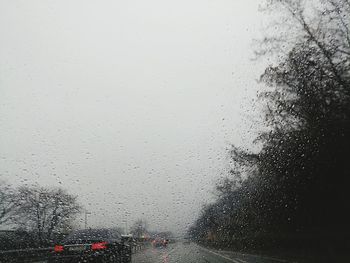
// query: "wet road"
[[192, 253]]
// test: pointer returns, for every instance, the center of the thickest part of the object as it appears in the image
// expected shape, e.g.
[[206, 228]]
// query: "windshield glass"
[[174, 131]]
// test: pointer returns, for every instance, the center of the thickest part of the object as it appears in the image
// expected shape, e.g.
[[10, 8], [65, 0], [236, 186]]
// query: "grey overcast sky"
[[128, 104]]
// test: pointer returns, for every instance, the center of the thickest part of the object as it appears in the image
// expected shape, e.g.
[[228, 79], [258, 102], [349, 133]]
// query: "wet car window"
[[187, 131]]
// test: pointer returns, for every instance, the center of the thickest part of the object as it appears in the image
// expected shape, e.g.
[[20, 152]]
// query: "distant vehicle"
[[160, 242], [186, 241], [171, 240], [92, 245]]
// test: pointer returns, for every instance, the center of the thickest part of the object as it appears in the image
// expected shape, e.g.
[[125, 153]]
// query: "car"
[[186, 241], [92, 245], [160, 242]]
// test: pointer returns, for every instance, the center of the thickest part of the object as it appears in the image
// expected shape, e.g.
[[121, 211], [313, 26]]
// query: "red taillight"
[[98, 246], [58, 248]]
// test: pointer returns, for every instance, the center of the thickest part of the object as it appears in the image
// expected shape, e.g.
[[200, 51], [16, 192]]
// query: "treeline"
[[294, 193], [37, 216]]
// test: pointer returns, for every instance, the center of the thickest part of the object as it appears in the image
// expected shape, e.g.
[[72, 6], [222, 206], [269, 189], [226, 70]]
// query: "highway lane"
[[192, 253]]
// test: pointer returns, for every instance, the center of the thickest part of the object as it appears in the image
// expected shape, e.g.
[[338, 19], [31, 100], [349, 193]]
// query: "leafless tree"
[[7, 204], [45, 212]]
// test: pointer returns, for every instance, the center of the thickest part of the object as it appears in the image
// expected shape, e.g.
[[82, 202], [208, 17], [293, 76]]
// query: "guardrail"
[[25, 255], [41, 254]]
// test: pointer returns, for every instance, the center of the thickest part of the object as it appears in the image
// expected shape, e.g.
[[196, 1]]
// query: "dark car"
[[92, 245], [186, 241], [160, 242]]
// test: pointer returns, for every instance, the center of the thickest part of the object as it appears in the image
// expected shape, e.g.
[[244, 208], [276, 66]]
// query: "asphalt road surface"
[[192, 253]]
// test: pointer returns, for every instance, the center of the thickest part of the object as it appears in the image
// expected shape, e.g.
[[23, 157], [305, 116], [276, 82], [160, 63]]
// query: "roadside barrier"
[[41, 254]]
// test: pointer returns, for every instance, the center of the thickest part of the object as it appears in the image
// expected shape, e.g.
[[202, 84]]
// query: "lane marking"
[[241, 260], [171, 251], [267, 258], [229, 259], [258, 256]]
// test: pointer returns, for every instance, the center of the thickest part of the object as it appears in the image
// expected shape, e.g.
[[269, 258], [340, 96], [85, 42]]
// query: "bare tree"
[[45, 212], [7, 203]]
